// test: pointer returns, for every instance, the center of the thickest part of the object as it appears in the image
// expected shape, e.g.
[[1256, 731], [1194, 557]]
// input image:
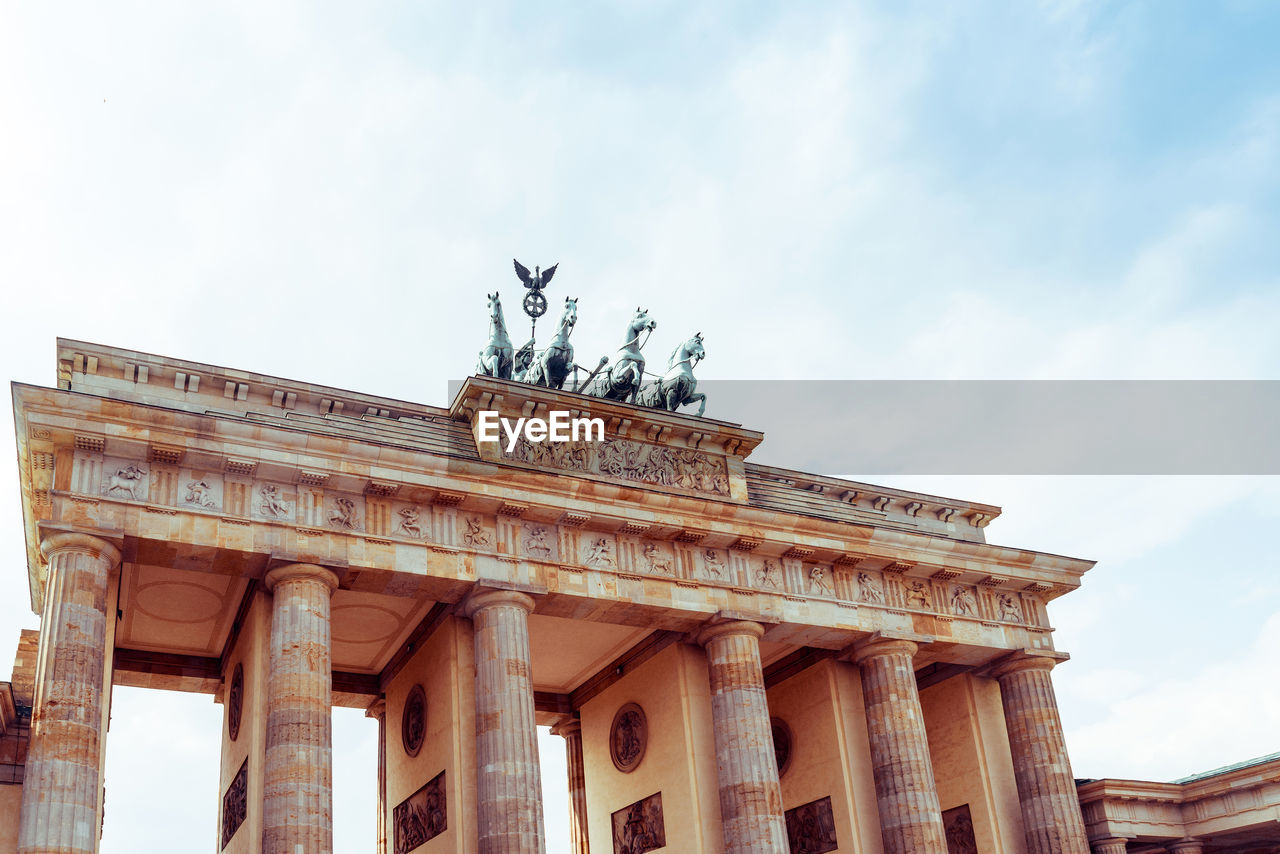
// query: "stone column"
[[1186, 846], [1114, 845], [378, 711], [746, 768], [906, 794], [508, 779], [1051, 815], [64, 772], [297, 792], [571, 730]]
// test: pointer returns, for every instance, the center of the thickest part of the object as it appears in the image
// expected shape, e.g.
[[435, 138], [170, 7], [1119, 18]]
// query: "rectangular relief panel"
[[638, 828], [959, 826], [235, 803], [811, 827], [421, 816]]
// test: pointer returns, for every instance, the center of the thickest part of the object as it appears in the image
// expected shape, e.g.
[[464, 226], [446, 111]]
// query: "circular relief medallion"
[[781, 744], [628, 737], [235, 702], [413, 721]]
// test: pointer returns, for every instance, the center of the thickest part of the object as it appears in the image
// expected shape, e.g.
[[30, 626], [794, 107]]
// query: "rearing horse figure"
[[626, 373], [676, 388], [496, 357], [551, 367]]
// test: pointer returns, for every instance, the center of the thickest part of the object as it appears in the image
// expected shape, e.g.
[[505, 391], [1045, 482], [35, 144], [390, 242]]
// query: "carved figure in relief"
[[917, 594], [676, 388], [273, 503], [199, 493], [409, 522], [656, 560], [536, 542], [475, 534], [715, 566], [623, 378], [344, 514], [497, 358], [1009, 609], [818, 581], [869, 590], [962, 601], [768, 575], [600, 553], [126, 481]]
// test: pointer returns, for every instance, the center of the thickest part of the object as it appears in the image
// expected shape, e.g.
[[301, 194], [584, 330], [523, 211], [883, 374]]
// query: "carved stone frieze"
[[639, 827], [538, 541], [628, 737], [474, 534], [782, 744], [124, 479], [811, 827], [959, 828], [598, 552], [421, 817], [625, 459], [870, 589], [410, 522], [342, 512], [235, 803], [715, 565], [235, 702], [413, 721]]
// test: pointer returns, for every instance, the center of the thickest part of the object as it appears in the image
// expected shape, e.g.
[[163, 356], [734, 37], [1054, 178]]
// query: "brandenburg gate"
[[739, 658]]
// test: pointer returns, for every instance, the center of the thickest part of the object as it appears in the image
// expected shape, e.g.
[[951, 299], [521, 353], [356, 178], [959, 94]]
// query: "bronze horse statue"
[[496, 358], [624, 376], [551, 367], [676, 388]]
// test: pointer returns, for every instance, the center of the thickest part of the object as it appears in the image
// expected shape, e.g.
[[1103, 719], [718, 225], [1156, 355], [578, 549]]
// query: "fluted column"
[[1051, 816], [1186, 846], [1114, 845], [508, 779], [378, 711], [64, 775], [297, 809], [746, 768], [571, 730], [906, 794]]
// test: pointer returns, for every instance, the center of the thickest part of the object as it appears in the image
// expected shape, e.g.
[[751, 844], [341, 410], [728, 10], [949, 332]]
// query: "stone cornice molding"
[[481, 598], [74, 541], [301, 572]]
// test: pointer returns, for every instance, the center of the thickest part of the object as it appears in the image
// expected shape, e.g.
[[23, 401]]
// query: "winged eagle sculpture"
[[538, 279]]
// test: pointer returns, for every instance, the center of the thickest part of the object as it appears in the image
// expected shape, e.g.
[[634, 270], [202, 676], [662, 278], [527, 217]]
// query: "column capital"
[[1111, 845], [487, 597], [74, 541], [377, 709], [729, 627], [1186, 846], [567, 726], [879, 644], [301, 571], [1026, 660]]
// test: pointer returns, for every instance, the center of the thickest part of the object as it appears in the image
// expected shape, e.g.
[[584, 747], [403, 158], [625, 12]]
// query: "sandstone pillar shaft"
[[1050, 806], [64, 772], [508, 779], [906, 794], [378, 711], [746, 768], [571, 731], [297, 807]]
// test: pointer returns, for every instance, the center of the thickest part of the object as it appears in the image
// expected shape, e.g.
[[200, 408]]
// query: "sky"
[[854, 190]]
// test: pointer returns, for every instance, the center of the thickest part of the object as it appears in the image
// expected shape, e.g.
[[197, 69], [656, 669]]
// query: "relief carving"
[[656, 561], [714, 565], [537, 541], [600, 554], [235, 702], [869, 589], [639, 827], [199, 493], [818, 583], [272, 502], [684, 468], [475, 535], [409, 524], [1009, 608], [343, 514], [628, 737], [129, 481], [959, 827], [413, 721], [235, 803], [781, 744], [811, 828], [917, 595], [420, 817], [769, 575], [963, 601]]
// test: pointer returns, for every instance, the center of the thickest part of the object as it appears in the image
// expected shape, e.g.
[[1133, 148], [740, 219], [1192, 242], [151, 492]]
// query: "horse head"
[[569, 317], [640, 322], [495, 306]]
